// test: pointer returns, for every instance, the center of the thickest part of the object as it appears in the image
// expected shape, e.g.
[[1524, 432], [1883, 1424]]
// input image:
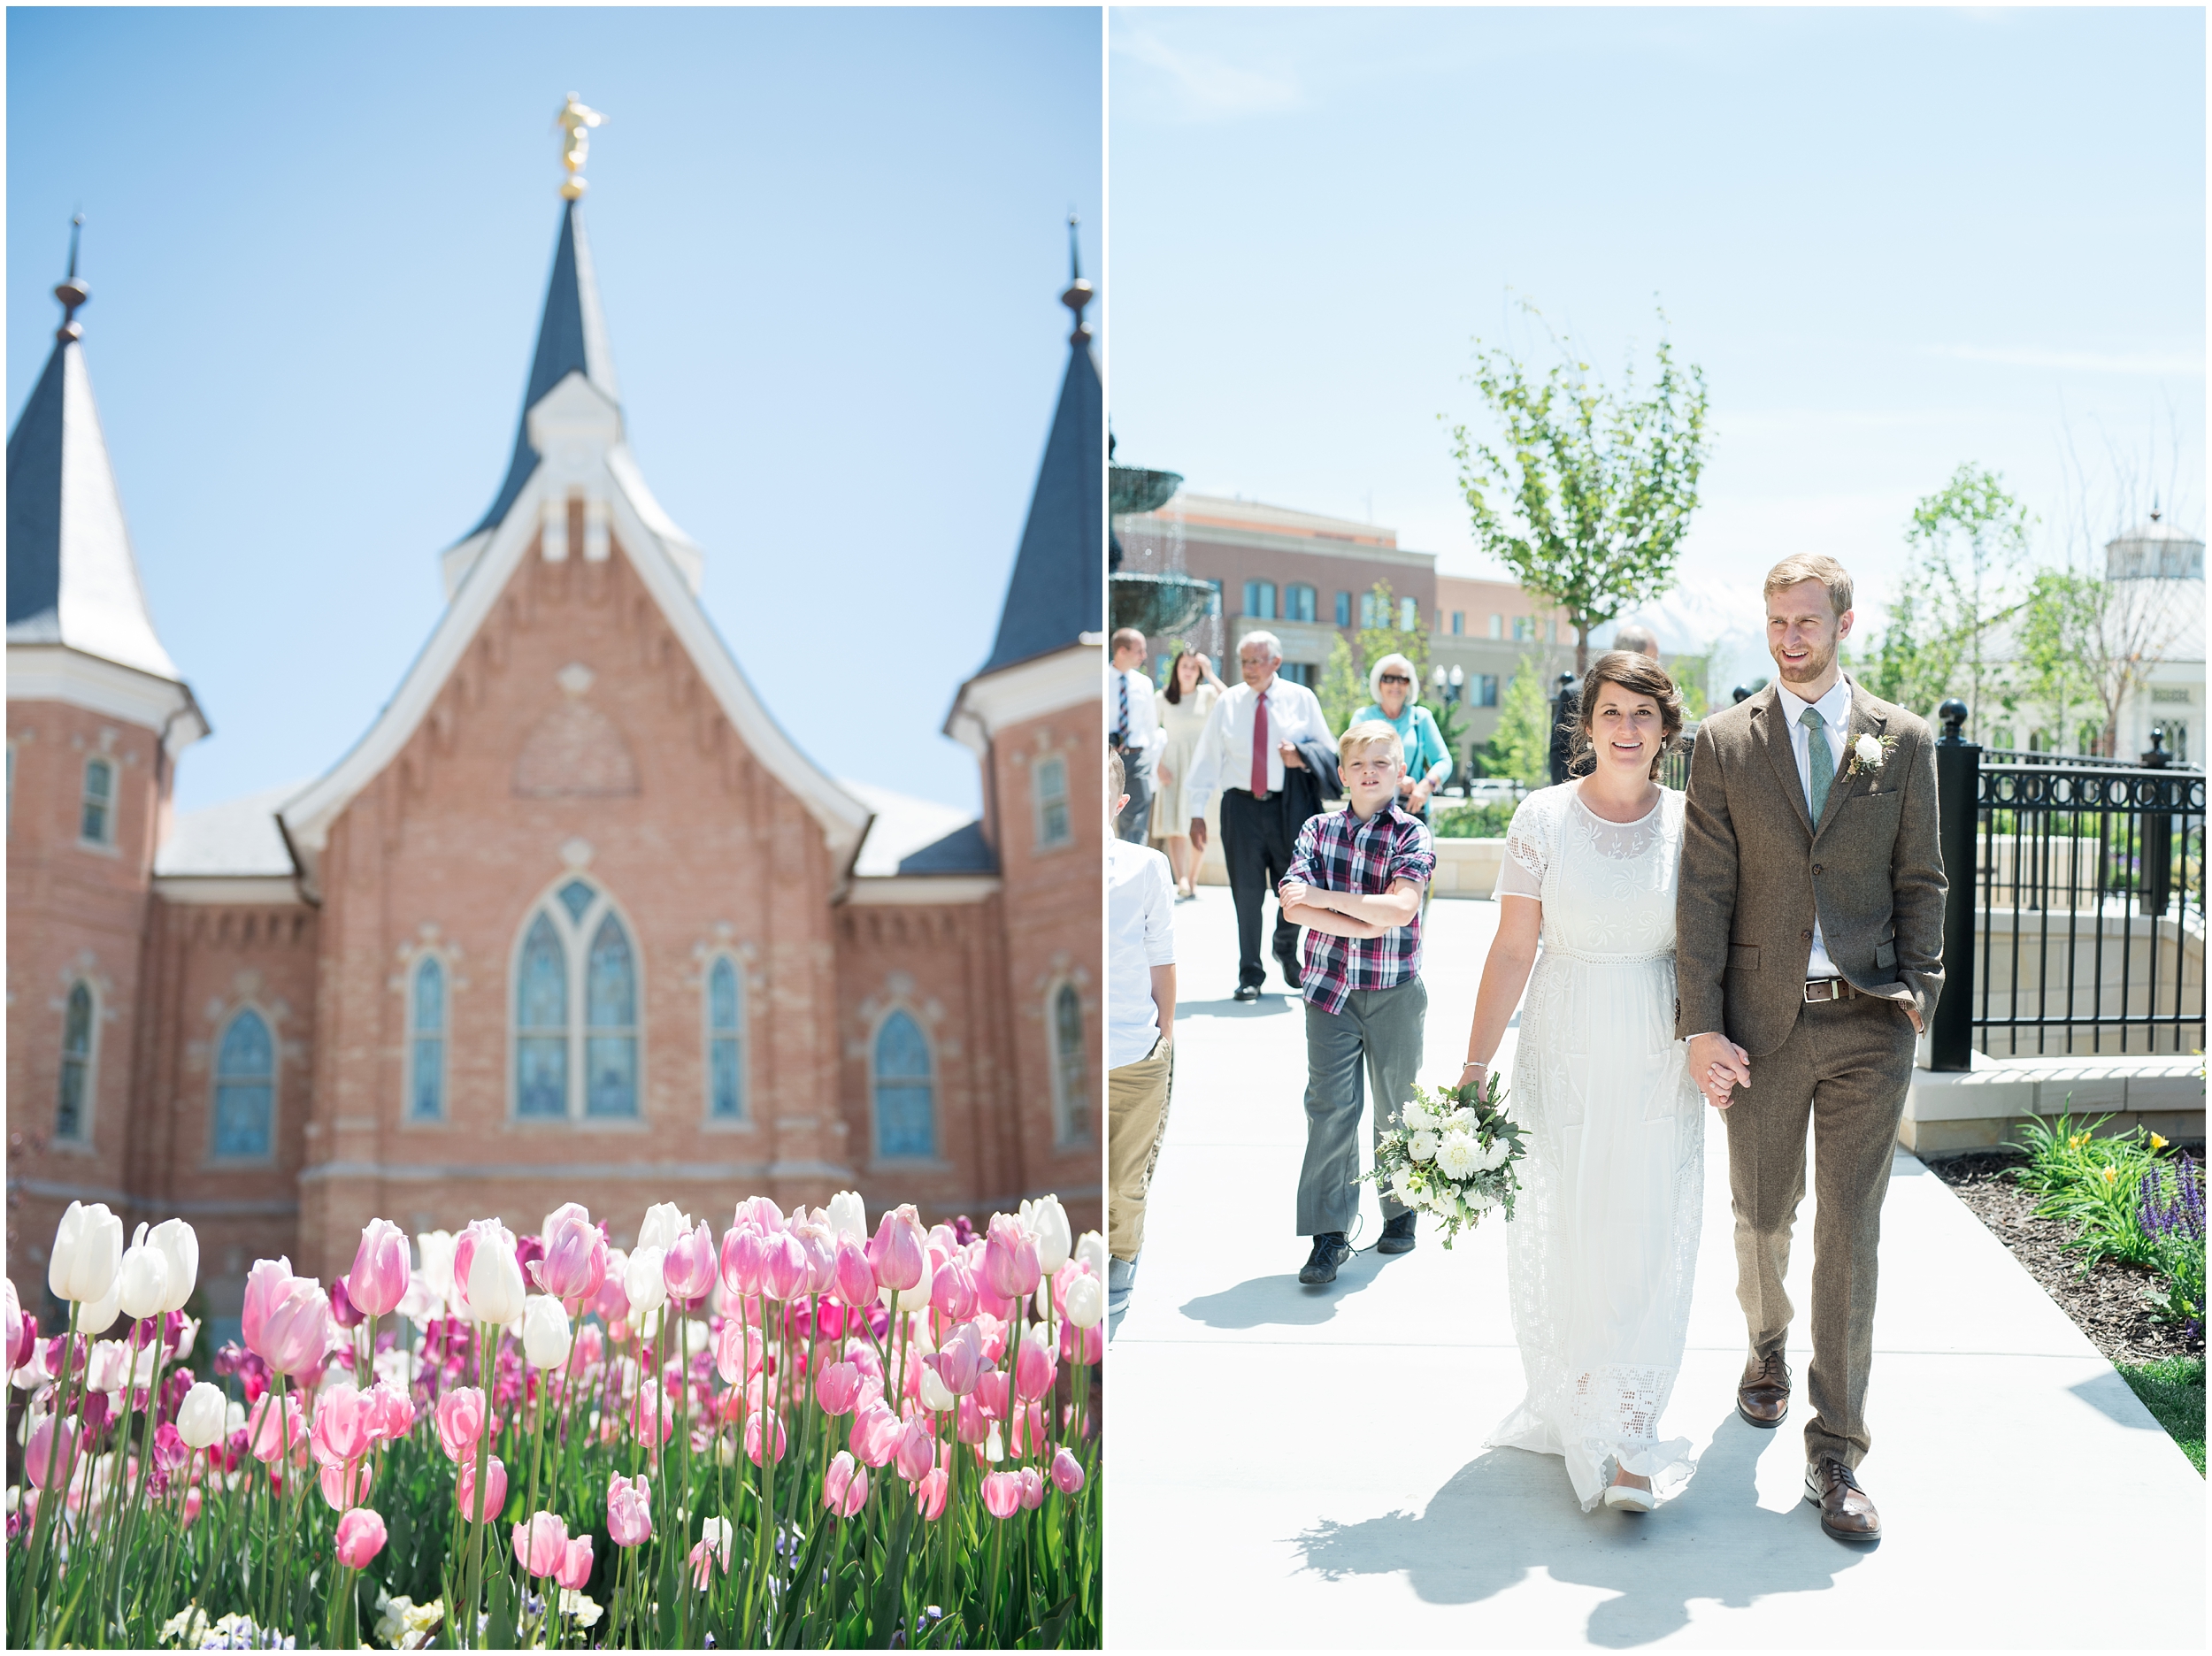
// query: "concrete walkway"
[[1304, 1467]]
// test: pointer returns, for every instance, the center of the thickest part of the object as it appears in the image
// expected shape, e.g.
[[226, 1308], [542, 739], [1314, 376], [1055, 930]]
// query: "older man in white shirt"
[[1249, 745]]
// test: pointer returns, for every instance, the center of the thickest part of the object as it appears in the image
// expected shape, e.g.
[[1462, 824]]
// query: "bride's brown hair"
[[1637, 674]]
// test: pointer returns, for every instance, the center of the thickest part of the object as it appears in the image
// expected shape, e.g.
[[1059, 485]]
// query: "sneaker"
[[1121, 1276], [1397, 1237], [1330, 1250]]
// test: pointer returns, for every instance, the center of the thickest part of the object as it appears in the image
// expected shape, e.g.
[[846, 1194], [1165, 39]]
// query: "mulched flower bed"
[[2109, 1303]]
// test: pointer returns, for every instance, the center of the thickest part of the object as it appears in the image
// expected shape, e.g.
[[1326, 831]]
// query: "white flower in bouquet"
[[1414, 1118], [1402, 1185], [1422, 1146], [1458, 1156], [1495, 1152], [1460, 1120], [1480, 1201]]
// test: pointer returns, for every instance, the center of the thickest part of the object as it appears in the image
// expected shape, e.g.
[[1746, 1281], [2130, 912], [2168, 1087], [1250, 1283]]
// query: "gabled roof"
[[572, 338], [71, 578], [963, 851], [238, 839], [1056, 593]]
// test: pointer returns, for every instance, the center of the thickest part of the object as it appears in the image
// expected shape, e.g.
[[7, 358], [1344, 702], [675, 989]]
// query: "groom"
[[1810, 942]]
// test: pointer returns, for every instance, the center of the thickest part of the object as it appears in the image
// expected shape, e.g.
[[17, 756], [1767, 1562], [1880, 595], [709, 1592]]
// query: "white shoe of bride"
[[1634, 1496]]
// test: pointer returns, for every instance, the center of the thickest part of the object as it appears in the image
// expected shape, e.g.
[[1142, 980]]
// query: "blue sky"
[[829, 243], [1896, 240]]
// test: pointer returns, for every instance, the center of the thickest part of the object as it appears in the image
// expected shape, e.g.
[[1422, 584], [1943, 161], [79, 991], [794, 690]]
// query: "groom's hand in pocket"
[[1718, 1066]]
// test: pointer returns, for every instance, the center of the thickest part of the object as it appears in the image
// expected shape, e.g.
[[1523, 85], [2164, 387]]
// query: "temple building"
[[575, 919]]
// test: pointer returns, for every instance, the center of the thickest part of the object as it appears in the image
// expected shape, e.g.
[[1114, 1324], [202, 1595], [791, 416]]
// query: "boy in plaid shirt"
[[1354, 882]]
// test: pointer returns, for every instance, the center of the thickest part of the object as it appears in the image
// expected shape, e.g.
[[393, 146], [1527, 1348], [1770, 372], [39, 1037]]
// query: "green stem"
[[32, 1600]]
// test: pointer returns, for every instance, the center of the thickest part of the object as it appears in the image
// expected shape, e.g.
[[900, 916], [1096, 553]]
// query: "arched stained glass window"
[[245, 1087], [541, 1023], [425, 1091], [725, 1075], [76, 1066], [611, 1023], [906, 1106], [1071, 1071]]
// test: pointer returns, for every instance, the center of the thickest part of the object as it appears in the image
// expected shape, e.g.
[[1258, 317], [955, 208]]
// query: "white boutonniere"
[[1867, 754]]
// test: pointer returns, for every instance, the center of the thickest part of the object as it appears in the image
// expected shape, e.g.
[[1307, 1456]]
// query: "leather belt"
[[1820, 989]]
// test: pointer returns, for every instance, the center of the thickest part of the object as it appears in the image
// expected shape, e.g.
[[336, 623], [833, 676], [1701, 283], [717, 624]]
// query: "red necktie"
[[1259, 747]]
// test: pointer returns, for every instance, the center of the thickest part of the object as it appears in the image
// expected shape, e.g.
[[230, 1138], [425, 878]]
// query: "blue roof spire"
[[572, 338]]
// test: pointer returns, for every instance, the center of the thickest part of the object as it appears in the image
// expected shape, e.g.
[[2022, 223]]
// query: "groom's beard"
[[1810, 668]]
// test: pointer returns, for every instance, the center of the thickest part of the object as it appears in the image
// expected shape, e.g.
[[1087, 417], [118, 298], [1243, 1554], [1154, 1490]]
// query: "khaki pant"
[[1845, 1068], [1136, 1122]]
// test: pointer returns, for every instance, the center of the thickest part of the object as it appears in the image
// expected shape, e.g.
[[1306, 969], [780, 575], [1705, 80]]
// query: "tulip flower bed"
[[801, 1434]]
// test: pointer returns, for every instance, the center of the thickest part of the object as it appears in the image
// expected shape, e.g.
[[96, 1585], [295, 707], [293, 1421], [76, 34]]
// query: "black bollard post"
[[2153, 870], [1958, 779]]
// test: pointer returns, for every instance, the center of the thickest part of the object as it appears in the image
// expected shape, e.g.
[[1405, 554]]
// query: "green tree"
[[2058, 639], [1520, 747], [1969, 539], [1343, 689], [1587, 494]]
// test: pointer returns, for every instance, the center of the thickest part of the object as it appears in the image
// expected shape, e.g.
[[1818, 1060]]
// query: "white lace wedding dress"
[[1604, 1243]]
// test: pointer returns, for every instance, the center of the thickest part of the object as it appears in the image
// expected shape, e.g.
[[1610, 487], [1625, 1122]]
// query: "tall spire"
[[1053, 598], [71, 578]]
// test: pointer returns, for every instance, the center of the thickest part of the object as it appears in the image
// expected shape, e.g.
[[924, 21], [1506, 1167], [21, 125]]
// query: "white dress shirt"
[[1835, 711], [1144, 735], [1224, 756], [1140, 935]]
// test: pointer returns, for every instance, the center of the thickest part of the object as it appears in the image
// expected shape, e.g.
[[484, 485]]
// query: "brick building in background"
[[575, 919]]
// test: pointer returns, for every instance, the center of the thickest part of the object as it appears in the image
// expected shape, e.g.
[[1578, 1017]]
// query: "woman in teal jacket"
[[1392, 682]]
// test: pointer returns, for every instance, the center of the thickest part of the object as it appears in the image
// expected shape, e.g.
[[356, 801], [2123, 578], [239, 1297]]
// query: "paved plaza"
[[1304, 1467]]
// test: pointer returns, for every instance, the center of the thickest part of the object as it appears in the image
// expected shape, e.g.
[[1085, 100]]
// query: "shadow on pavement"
[[1272, 1003], [2107, 1393], [1281, 1299], [1507, 1512]]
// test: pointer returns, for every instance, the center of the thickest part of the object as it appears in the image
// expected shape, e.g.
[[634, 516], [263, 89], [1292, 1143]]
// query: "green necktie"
[[1823, 762]]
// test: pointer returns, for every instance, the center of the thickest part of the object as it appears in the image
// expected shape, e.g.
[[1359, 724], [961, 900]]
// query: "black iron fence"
[[2076, 917]]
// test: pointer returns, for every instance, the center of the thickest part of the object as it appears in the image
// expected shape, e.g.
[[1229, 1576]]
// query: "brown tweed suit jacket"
[[1756, 867]]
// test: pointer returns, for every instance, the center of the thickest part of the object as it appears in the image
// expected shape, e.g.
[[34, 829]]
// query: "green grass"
[[2172, 1388]]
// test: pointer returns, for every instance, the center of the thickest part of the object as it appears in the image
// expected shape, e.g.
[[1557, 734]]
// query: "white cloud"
[[2156, 364], [1198, 87]]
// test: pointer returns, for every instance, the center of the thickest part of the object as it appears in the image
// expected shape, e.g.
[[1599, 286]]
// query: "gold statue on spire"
[[575, 122]]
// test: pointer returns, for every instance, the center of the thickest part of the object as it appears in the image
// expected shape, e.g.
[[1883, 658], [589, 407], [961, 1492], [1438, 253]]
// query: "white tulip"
[[418, 1304], [546, 1335], [180, 1247], [696, 1335], [915, 1298], [665, 1224], [142, 1283], [201, 1416], [109, 1366], [1046, 1221], [848, 1216], [1087, 1301], [936, 1397], [641, 1279], [436, 1249], [1092, 1251], [186, 1331], [97, 1317], [87, 1253], [495, 1285]]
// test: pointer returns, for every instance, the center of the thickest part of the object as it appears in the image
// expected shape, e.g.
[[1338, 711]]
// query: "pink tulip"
[[896, 1252], [743, 1250], [952, 1291], [1067, 1473], [837, 1388], [1027, 1430], [292, 1327], [1082, 1344], [930, 1493], [345, 1485], [1001, 1493], [266, 1284], [990, 1395], [783, 1268], [360, 1538], [758, 1213], [273, 1433], [343, 1427], [193, 1502], [653, 1417], [820, 1244], [875, 1435], [844, 1486], [378, 1281], [959, 1362], [856, 1283], [344, 1312], [1034, 1369], [1009, 1258], [575, 1261], [574, 1569], [1032, 1488], [460, 1422], [629, 1511], [541, 1544], [495, 1489], [391, 1412], [47, 1462], [772, 1426], [972, 1425], [612, 1301], [689, 1267], [917, 1450], [171, 1454], [735, 1354]]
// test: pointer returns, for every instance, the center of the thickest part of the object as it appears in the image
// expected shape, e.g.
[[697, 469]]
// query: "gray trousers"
[[1135, 822], [1379, 1029], [1845, 1068]]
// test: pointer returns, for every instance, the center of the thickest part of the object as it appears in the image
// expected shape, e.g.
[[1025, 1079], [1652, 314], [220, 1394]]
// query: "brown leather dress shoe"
[[1846, 1512], [1762, 1396]]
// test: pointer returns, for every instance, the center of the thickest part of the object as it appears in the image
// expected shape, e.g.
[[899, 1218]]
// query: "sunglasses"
[[1392, 678]]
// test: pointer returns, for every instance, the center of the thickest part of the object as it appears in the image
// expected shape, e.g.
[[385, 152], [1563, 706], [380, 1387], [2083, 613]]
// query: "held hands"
[[1718, 1066]]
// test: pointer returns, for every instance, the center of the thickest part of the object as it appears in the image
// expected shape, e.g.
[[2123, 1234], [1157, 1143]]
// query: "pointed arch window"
[[245, 1088], [905, 1090], [576, 1009], [426, 1079], [96, 820], [72, 1109], [726, 1056], [1070, 1068]]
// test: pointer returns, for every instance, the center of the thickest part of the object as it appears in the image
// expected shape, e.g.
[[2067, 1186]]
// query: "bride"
[[1603, 1245]]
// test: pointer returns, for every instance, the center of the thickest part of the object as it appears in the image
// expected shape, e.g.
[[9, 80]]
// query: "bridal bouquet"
[[1452, 1155]]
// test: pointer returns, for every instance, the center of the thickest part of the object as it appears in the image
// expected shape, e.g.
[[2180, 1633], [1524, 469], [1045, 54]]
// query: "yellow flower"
[[2078, 1140], [2157, 1143], [2112, 1175]]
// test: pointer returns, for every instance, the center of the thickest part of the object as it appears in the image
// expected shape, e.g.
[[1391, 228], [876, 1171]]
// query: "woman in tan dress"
[[1191, 692]]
